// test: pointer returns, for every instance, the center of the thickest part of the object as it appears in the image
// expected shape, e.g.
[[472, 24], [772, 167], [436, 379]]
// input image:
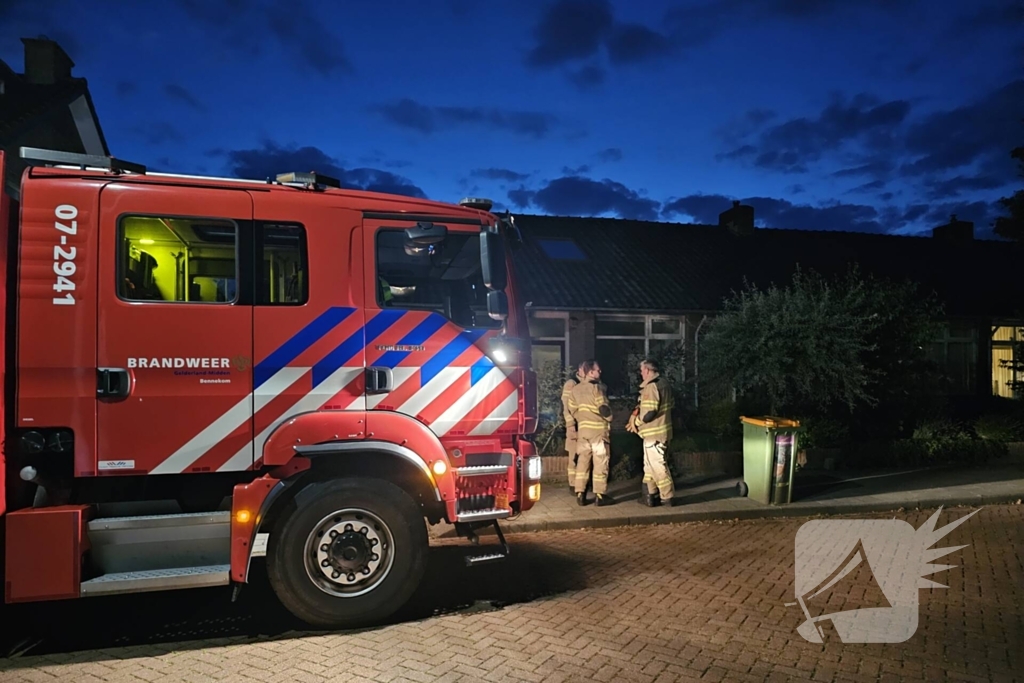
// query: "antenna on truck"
[[56, 157]]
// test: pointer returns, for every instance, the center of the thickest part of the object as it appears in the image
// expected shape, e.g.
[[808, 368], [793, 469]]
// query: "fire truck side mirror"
[[497, 305], [492, 261]]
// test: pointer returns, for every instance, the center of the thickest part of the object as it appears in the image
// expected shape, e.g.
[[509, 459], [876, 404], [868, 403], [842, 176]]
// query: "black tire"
[[741, 489], [328, 597]]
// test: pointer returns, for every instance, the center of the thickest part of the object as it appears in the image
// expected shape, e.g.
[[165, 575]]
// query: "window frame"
[[258, 246], [562, 341], [648, 336], [377, 295], [241, 290]]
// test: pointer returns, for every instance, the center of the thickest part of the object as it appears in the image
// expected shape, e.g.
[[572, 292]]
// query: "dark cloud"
[[796, 189], [500, 174], [126, 88], [874, 168], [791, 146], [572, 31], [982, 17], [589, 76], [575, 196], [414, 115], [245, 24], [837, 216], [982, 131], [955, 187], [780, 213], [579, 170], [299, 31], [610, 155], [871, 187], [521, 197], [182, 94], [695, 24], [271, 159]]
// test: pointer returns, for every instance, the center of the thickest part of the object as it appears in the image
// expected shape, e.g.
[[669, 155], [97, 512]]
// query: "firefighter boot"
[[647, 496], [581, 498]]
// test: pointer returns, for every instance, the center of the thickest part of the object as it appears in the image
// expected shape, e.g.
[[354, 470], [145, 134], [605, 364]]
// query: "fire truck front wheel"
[[351, 552]]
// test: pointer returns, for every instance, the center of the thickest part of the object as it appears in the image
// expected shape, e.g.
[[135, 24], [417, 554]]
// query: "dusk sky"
[[868, 115]]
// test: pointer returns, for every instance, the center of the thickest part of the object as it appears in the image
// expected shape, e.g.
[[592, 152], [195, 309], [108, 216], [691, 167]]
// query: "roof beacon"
[[310, 179], [477, 203]]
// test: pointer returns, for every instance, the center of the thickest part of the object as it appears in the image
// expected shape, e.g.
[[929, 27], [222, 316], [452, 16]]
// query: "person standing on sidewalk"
[[568, 408], [593, 415], [652, 422]]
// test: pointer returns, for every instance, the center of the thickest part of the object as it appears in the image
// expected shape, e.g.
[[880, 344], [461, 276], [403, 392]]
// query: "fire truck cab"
[[199, 371]]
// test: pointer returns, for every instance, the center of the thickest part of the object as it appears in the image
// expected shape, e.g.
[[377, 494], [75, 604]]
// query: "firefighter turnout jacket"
[[568, 410], [654, 419], [593, 416]]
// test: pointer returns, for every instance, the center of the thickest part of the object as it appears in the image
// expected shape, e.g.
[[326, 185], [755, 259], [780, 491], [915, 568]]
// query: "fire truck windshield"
[[445, 277]]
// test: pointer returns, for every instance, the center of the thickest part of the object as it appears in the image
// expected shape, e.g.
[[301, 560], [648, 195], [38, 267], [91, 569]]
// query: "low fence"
[[730, 463]]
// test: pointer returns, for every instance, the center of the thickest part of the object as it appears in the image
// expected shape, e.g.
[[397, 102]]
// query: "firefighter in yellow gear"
[[568, 408], [652, 422], [593, 415]]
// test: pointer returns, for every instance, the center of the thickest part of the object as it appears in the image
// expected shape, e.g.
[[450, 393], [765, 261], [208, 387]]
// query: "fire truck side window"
[[445, 278], [170, 259], [284, 278]]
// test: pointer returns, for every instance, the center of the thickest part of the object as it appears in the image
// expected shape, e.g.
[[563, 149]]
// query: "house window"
[[188, 260], [1006, 342], [956, 354], [562, 250], [621, 340], [550, 340], [284, 280]]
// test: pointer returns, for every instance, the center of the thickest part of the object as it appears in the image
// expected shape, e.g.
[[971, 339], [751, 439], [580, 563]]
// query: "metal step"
[[158, 580], [472, 560], [121, 545], [483, 515]]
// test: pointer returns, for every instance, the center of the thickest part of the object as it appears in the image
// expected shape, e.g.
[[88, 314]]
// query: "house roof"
[[678, 268]]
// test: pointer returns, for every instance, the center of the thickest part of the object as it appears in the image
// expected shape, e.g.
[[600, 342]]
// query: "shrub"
[[1002, 427], [823, 432]]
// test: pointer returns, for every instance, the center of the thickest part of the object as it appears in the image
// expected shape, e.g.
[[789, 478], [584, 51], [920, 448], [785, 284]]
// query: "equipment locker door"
[[174, 358]]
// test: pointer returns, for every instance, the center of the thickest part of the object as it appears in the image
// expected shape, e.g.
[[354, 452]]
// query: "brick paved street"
[[699, 600]]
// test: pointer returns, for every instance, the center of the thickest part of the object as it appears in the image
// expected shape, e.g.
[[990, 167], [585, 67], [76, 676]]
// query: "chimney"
[[46, 62], [955, 230], [739, 220]]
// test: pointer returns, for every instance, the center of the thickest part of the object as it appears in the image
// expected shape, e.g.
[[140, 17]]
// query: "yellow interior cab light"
[[440, 467], [145, 240]]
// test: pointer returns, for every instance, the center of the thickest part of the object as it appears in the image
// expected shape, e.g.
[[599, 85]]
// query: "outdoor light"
[[440, 467], [533, 467]]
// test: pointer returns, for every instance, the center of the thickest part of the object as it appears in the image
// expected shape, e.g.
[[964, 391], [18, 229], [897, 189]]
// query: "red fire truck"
[[200, 371]]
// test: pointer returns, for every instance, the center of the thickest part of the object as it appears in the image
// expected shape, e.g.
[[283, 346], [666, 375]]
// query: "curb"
[[767, 512]]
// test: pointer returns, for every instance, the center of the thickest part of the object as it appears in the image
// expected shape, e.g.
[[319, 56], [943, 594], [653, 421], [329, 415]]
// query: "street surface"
[[692, 601]]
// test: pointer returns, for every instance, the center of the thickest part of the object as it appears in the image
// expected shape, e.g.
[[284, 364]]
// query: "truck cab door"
[[174, 353], [428, 329]]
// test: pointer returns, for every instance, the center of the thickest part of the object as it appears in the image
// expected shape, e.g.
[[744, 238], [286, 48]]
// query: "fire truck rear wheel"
[[352, 551]]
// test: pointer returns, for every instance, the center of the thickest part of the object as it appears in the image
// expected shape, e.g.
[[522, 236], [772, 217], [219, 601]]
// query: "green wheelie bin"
[[769, 455]]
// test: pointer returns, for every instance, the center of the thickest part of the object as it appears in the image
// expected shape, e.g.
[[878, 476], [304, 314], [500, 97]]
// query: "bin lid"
[[770, 422]]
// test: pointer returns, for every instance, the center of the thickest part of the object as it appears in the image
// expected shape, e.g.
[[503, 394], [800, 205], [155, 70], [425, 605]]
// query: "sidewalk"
[[814, 492]]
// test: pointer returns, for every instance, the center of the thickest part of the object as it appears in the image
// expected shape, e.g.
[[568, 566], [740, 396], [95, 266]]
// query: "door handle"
[[379, 380], [112, 383]]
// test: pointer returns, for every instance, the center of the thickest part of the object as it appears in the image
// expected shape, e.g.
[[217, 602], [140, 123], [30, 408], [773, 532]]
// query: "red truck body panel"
[[221, 383], [5, 228]]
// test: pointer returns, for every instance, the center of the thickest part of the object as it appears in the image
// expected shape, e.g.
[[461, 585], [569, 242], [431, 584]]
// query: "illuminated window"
[[285, 277], [562, 250], [187, 260]]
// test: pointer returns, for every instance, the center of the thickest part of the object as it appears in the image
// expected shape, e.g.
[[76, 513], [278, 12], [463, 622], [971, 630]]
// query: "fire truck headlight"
[[500, 355], [534, 468]]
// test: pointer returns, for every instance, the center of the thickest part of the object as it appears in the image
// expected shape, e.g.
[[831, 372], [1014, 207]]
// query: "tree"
[[817, 345], [1012, 226]]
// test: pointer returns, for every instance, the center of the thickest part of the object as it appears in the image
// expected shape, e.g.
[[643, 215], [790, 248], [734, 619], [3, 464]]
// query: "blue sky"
[[875, 115]]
